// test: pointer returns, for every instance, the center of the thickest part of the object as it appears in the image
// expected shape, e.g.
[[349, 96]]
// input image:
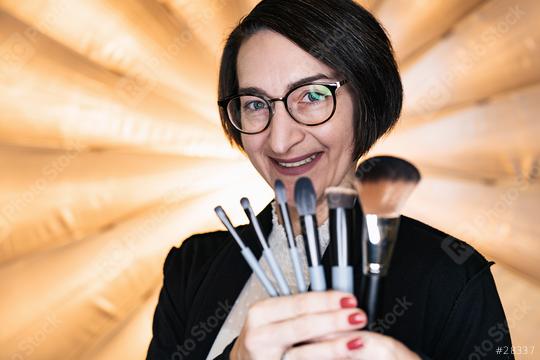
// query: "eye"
[[313, 96], [254, 105]]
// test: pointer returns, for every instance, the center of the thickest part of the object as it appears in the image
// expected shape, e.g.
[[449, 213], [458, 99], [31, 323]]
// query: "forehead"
[[270, 61]]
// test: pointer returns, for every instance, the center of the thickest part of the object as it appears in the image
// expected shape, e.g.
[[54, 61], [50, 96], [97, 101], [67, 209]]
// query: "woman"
[[306, 88]]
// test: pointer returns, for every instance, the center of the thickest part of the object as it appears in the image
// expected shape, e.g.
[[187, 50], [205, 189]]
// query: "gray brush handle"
[[295, 257], [318, 280], [342, 278], [276, 270], [257, 269]]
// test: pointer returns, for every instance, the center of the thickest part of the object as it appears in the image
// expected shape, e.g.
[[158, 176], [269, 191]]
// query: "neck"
[[322, 215], [322, 206]]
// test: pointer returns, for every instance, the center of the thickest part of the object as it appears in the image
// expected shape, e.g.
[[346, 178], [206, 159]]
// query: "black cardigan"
[[439, 296]]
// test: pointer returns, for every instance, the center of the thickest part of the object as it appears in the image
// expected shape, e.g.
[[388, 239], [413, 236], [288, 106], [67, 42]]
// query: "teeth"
[[298, 163]]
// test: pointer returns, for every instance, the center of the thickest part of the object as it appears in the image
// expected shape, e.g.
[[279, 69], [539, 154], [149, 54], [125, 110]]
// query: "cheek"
[[247, 143], [339, 135], [253, 145], [346, 123]]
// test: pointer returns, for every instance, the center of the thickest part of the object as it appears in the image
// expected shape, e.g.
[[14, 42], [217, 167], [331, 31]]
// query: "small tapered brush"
[[267, 252], [306, 205], [247, 253]]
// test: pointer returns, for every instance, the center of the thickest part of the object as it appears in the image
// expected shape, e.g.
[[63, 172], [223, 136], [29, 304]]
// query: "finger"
[[286, 307], [326, 337], [311, 326], [377, 346], [344, 346]]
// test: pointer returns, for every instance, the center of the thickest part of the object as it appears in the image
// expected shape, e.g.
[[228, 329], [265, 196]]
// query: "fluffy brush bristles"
[[281, 193], [245, 203], [339, 197], [304, 196], [249, 212], [222, 215]]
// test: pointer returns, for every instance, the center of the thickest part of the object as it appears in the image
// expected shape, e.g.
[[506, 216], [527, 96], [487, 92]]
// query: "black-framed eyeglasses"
[[309, 104]]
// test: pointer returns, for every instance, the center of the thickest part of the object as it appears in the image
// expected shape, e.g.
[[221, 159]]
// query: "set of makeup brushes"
[[385, 185]]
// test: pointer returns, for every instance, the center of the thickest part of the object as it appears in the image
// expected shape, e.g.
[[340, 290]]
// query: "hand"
[[274, 325], [378, 346], [353, 345]]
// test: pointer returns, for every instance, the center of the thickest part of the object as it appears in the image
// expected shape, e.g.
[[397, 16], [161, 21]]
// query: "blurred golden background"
[[111, 152]]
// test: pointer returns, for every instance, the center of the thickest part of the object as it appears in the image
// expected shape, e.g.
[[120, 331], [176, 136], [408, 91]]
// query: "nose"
[[284, 131]]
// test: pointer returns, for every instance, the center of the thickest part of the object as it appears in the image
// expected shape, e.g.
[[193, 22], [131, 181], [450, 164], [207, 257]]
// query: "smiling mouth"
[[294, 164]]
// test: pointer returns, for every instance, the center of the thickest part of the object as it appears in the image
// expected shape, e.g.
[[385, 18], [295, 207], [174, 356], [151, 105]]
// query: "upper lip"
[[291, 160]]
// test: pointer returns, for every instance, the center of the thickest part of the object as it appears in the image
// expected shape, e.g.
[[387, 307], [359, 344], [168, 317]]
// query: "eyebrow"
[[257, 90]]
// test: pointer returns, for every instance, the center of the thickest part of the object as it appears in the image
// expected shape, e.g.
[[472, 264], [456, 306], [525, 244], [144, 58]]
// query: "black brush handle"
[[372, 298]]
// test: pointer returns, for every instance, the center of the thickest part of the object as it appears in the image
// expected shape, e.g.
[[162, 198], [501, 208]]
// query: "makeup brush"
[[340, 205], [384, 183], [246, 253], [306, 205], [281, 197], [267, 252]]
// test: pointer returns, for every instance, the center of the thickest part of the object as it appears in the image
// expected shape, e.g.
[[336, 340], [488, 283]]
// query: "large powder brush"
[[384, 183]]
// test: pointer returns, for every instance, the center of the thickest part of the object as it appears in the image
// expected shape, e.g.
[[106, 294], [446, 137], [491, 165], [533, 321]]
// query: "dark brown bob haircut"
[[342, 35]]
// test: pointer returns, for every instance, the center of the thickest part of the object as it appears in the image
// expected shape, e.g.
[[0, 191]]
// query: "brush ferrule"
[[340, 224], [379, 244], [340, 197]]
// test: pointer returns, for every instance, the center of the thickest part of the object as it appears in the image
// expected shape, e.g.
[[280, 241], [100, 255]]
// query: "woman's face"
[[287, 150]]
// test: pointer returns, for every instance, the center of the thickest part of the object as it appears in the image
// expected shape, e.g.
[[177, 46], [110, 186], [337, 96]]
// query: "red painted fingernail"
[[348, 302], [357, 318], [355, 344]]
